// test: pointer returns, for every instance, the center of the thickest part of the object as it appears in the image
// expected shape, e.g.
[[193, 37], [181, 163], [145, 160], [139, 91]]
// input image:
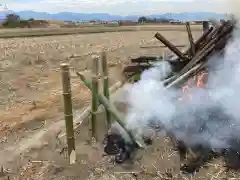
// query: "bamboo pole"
[[190, 37], [118, 117], [170, 46], [87, 111], [162, 46], [106, 85], [197, 43], [67, 97], [92, 125], [206, 50], [183, 77]]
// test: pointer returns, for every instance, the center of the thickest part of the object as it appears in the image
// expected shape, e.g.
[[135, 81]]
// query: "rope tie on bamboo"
[[67, 115]]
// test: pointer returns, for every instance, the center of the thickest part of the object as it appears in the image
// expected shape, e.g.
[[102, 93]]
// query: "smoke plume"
[[210, 118]]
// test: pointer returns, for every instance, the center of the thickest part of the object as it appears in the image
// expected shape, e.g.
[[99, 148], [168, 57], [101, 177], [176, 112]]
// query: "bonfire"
[[191, 112]]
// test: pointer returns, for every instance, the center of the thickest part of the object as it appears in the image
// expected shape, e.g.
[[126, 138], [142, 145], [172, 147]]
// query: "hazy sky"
[[121, 7]]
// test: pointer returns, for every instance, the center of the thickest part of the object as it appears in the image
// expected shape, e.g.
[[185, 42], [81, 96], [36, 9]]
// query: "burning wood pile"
[[185, 65], [192, 59]]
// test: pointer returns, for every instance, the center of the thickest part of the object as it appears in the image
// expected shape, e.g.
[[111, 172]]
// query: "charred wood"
[[170, 46], [191, 41]]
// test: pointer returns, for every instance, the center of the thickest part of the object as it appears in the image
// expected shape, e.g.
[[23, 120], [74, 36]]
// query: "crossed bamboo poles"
[[97, 99]]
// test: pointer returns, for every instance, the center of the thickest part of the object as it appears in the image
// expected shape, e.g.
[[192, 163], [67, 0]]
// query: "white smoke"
[[211, 118]]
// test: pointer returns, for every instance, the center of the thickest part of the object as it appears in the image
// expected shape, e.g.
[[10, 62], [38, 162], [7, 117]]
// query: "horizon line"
[[117, 14]]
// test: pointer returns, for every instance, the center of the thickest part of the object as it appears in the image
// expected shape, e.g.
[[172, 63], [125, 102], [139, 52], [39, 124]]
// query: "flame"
[[199, 81]]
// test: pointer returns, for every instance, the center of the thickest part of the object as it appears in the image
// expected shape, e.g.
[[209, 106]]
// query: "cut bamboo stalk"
[[197, 43], [163, 46], [67, 97], [106, 85], [206, 50], [167, 81], [184, 76], [115, 114], [204, 36], [170, 46], [93, 125], [190, 37], [87, 112]]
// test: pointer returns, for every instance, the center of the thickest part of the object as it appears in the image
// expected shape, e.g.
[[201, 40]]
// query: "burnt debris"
[[118, 145]]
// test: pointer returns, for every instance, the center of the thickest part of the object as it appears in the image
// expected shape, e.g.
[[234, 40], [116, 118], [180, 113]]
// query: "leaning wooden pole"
[[93, 125], [170, 46], [190, 38], [67, 97], [117, 116], [106, 85]]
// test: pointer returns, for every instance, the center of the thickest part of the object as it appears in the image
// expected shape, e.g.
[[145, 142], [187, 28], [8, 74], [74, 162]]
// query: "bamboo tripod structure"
[[97, 99]]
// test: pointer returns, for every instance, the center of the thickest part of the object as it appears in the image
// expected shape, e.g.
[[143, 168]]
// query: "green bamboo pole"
[[95, 71], [114, 112], [67, 97], [106, 85]]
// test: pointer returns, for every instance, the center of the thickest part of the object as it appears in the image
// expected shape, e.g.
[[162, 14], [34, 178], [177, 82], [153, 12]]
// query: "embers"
[[113, 143]]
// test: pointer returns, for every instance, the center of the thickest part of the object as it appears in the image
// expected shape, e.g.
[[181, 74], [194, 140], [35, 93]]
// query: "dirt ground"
[[31, 109]]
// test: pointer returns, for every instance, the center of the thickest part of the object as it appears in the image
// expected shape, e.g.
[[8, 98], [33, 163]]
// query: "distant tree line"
[[15, 21], [144, 19]]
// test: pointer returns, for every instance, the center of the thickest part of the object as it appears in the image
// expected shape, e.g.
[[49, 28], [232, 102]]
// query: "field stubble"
[[30, 95], [83, 29]]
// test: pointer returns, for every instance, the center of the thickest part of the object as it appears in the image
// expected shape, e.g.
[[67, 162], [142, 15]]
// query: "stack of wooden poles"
[[190, 60]]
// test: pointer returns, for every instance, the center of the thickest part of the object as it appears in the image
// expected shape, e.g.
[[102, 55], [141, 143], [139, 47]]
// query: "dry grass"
[[10, 33]]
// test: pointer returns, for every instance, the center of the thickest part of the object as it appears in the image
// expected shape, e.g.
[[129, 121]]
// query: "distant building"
[[69, 22], [175, 22], [199, 21], [112, 22], [127, 22]]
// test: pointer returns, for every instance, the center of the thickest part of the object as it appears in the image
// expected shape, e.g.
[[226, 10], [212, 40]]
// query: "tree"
[[142, 19]]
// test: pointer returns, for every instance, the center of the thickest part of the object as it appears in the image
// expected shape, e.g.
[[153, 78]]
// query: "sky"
[[119, 7]]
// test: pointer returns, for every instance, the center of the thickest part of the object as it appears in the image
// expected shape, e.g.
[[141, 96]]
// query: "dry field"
[[31, 108], [86, 29]]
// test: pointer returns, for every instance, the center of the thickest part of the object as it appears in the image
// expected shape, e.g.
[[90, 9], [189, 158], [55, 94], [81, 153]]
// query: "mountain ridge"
[[71, 16]]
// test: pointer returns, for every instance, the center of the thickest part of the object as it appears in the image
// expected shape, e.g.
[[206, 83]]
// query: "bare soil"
[[31, 109]]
